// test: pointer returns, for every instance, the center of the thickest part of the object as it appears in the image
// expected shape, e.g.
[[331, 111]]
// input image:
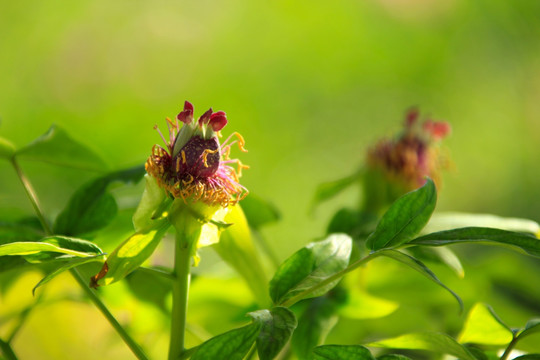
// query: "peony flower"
[[194, 166]]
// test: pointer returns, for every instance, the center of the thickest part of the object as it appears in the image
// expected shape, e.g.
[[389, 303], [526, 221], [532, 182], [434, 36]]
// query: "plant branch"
[[135, 348], [32, 196], [331, 279], [509, 348], [7, 350]]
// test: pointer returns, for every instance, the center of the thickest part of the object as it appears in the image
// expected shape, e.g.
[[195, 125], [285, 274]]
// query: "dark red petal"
[[186, 116], [411, 117], [188, 106], [205, 117], [437, 129], [218, 120]]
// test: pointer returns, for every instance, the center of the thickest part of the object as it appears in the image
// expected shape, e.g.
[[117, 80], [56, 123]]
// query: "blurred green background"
[[310, 85]]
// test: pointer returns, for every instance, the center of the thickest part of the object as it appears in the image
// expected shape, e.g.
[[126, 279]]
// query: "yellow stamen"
[[205, 155], [183, 153], [241, 142], [188, 181]]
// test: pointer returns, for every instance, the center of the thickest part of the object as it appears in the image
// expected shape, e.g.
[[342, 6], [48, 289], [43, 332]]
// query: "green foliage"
[[130, 254], [330, 189], [259, 212], [55, 244], [58, 148], [421, 268], [405, 218], [316, 321], [277, 326], [91, 207], [309, 267], [439, 343], [68, 265], [393, 357], [526, 242], [341, 352], [233, 345]]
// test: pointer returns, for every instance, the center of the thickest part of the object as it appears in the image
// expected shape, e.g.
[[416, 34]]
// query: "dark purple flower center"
[[199, 157]]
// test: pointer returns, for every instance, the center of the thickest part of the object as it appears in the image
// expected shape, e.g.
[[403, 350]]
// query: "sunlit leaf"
[[310, 266], [277, 326], [316, 322], [7, 149], [259, 212], [328, 190], [341, 352], [153, 204], [129, 255], [451, 220], [439, 343], [232, 345], [362, 305], [236, 247], [58, 244], [57, 147], [483, 327], [421, 268], [69, 265], [528, 243], [405, 218], [91, 207]]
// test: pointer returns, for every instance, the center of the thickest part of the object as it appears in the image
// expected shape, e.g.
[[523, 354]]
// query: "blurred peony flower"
[[194, 166], [413, 155]]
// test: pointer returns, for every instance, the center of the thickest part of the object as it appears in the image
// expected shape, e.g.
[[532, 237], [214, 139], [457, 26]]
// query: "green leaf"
[[12, 232], [451, 220], [69, 265], [150, 287], [342, 352], [310, 266], [232, 345], [528, 243], [259, 212], [440, 255], [277, 326], [237, 248], [421, 268], [356, 223], [405, 218], [57, 147], [7, 149], [58, 244], [484, 327], [91, 207], [328, 190], [129, 255], [439, 343], [533, 326], [528, 357], [317, 320], [393, 357]]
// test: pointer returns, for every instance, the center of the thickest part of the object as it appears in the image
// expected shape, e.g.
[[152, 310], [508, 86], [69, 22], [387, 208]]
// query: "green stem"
[[182, 268], [331, 279], [509, 348], [7, 350], [32, 196], [86, 288]]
